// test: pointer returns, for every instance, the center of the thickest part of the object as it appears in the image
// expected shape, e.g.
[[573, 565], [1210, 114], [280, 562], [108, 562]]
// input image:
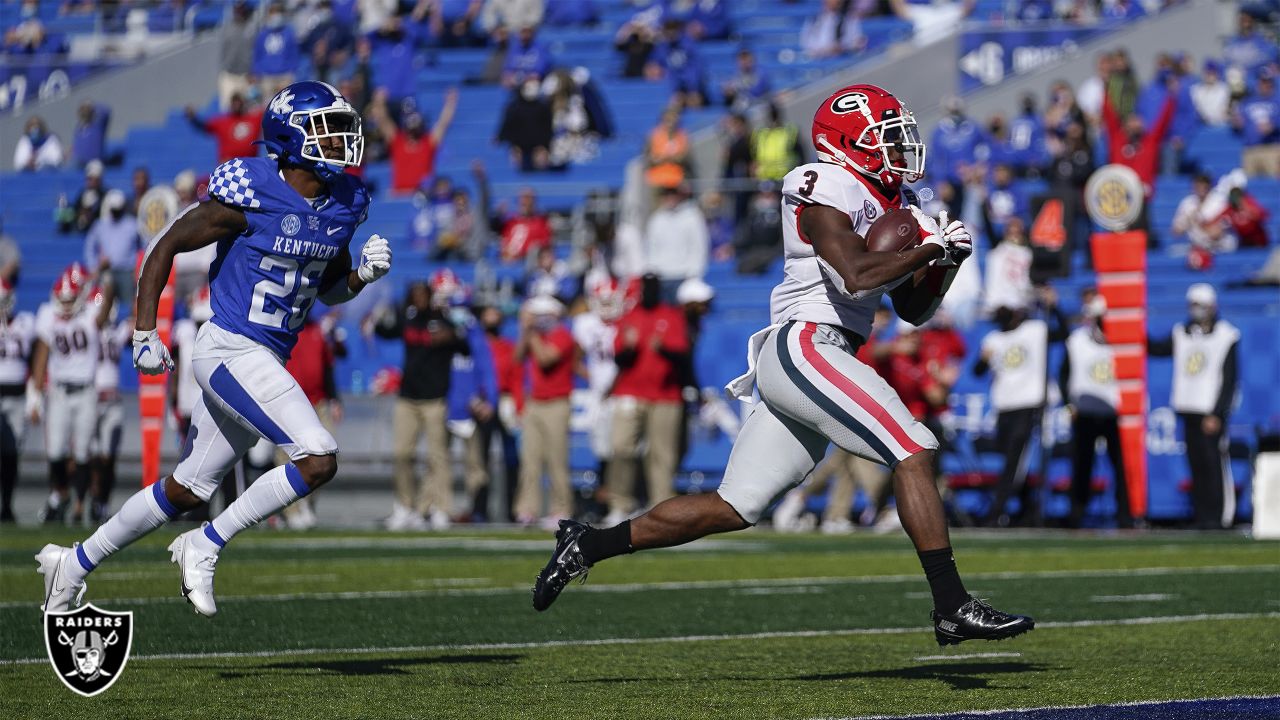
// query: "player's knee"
[[317, 469], [182, 497]]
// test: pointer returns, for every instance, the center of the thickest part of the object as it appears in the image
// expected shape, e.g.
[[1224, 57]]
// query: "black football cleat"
[[566, 564], [976, 620]]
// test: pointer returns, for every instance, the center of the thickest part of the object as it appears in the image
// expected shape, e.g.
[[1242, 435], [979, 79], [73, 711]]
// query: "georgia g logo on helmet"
[[850, 102]]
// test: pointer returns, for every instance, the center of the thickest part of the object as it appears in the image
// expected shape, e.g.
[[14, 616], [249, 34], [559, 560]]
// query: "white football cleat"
[[197, 565], [59, 593]]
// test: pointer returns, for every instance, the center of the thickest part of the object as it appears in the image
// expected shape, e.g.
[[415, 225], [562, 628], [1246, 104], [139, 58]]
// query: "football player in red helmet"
[[812, 389]]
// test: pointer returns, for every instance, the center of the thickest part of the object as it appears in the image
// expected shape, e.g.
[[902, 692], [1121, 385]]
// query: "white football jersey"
[[16, 336], [809, 290], [114, 339], [183, 339], [596, 338], [73, 343]]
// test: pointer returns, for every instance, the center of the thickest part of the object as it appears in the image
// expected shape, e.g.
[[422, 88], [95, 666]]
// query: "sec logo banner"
[[88, 647]]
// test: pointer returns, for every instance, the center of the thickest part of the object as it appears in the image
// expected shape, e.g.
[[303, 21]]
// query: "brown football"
[[895, 231]]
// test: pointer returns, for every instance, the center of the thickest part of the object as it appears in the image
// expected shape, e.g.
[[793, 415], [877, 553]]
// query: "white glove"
[[375, 259], [150, 356], [929, 232], [959, 242]]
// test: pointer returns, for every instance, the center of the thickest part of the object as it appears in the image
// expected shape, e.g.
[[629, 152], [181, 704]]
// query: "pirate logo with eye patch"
[[88, 647]]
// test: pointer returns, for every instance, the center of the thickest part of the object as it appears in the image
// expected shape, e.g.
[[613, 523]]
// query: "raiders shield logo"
[[88, 647]]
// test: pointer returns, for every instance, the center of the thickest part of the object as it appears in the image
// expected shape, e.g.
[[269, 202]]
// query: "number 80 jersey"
[[808, 290], [263, 282]]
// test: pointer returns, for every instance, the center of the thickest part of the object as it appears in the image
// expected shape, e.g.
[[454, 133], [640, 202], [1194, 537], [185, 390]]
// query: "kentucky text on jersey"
[[264, 281], [309, 248]]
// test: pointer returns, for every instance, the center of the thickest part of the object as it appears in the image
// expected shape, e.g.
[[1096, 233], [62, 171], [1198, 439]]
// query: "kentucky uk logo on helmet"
[[88, 647]]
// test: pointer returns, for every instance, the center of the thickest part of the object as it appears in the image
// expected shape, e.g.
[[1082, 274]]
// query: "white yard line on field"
[[980, 713], [688, 585], [1140, 597], [782, 634], [968, 656]]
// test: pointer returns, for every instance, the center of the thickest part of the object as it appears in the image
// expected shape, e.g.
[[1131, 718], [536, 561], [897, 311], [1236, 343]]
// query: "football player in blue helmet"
[[282, 225]]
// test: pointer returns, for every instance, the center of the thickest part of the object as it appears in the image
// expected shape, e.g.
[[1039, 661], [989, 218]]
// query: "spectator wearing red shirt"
[[525, 232], [319, 346], [236, 130], [1134, 146], [413, 149], [510, 374], [552, 356], [651, 346], [1246, 218]]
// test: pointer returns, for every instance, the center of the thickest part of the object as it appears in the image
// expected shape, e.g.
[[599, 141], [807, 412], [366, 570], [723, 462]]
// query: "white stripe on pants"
[[814, 391]]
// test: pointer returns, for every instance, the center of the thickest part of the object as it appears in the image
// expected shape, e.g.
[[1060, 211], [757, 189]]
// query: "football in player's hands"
[[895, 231]]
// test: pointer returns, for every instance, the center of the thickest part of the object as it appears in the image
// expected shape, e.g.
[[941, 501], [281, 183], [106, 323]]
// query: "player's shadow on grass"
[[960, 675], [371, 666]]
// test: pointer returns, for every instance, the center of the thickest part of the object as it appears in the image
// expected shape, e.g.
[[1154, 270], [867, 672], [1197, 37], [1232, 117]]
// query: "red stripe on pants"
[[853, 392]]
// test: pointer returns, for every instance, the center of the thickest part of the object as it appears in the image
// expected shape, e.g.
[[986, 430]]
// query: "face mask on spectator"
[[544, 323], [529, 90], [275, 20], [459, 316]]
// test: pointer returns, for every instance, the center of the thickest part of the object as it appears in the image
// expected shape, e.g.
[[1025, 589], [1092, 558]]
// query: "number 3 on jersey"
[[306, 284]]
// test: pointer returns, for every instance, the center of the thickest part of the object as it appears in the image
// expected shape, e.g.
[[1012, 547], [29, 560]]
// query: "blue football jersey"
[[264, 281]]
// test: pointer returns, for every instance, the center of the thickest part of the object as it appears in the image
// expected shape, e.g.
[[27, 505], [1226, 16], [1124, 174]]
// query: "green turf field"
[[755, 625]]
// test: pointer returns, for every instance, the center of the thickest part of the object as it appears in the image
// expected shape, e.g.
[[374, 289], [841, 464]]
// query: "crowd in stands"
[[623, 312]]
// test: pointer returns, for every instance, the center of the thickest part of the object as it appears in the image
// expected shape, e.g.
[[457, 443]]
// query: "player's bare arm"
[[835, 241], [203, 225]]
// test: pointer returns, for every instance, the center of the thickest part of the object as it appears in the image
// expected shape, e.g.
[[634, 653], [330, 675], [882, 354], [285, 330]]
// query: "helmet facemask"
[[901, 135], [320, 127]]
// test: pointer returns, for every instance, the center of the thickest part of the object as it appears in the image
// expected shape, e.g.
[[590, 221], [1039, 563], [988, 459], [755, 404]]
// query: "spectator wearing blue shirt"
[[1172, 77], [113, 243], [1121, 10], [956, 146], [90, 138], [1258, 120], [276, 53], [1026, 142], [1005, 201], [527, 59], [1249, 50], [328, 42], [454, 23], [748, 85], [571, 13], [676, 58], [433, 213], [703, 19], [394, 61]]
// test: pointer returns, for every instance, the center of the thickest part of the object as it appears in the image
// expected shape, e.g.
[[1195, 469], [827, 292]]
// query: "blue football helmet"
[[301, 122]]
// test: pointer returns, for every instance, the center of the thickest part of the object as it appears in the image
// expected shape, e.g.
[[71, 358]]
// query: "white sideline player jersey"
[[809, 291], [73, 343], [1091, 384], [184, 340], [596, 337], [16, 336], [111, 345], [1019, 360]]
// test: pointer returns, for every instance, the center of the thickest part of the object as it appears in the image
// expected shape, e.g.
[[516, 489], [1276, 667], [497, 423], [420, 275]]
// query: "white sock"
[[269, 494], [145, 511]]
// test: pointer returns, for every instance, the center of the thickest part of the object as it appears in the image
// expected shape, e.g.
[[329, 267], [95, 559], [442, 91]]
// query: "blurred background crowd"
[[556, 350]]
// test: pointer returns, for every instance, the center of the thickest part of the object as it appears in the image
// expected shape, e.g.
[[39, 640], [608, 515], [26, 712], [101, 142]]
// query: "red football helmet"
[[445, 286], [859, 125], [607, 298], [7, 298], [68, 292]]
